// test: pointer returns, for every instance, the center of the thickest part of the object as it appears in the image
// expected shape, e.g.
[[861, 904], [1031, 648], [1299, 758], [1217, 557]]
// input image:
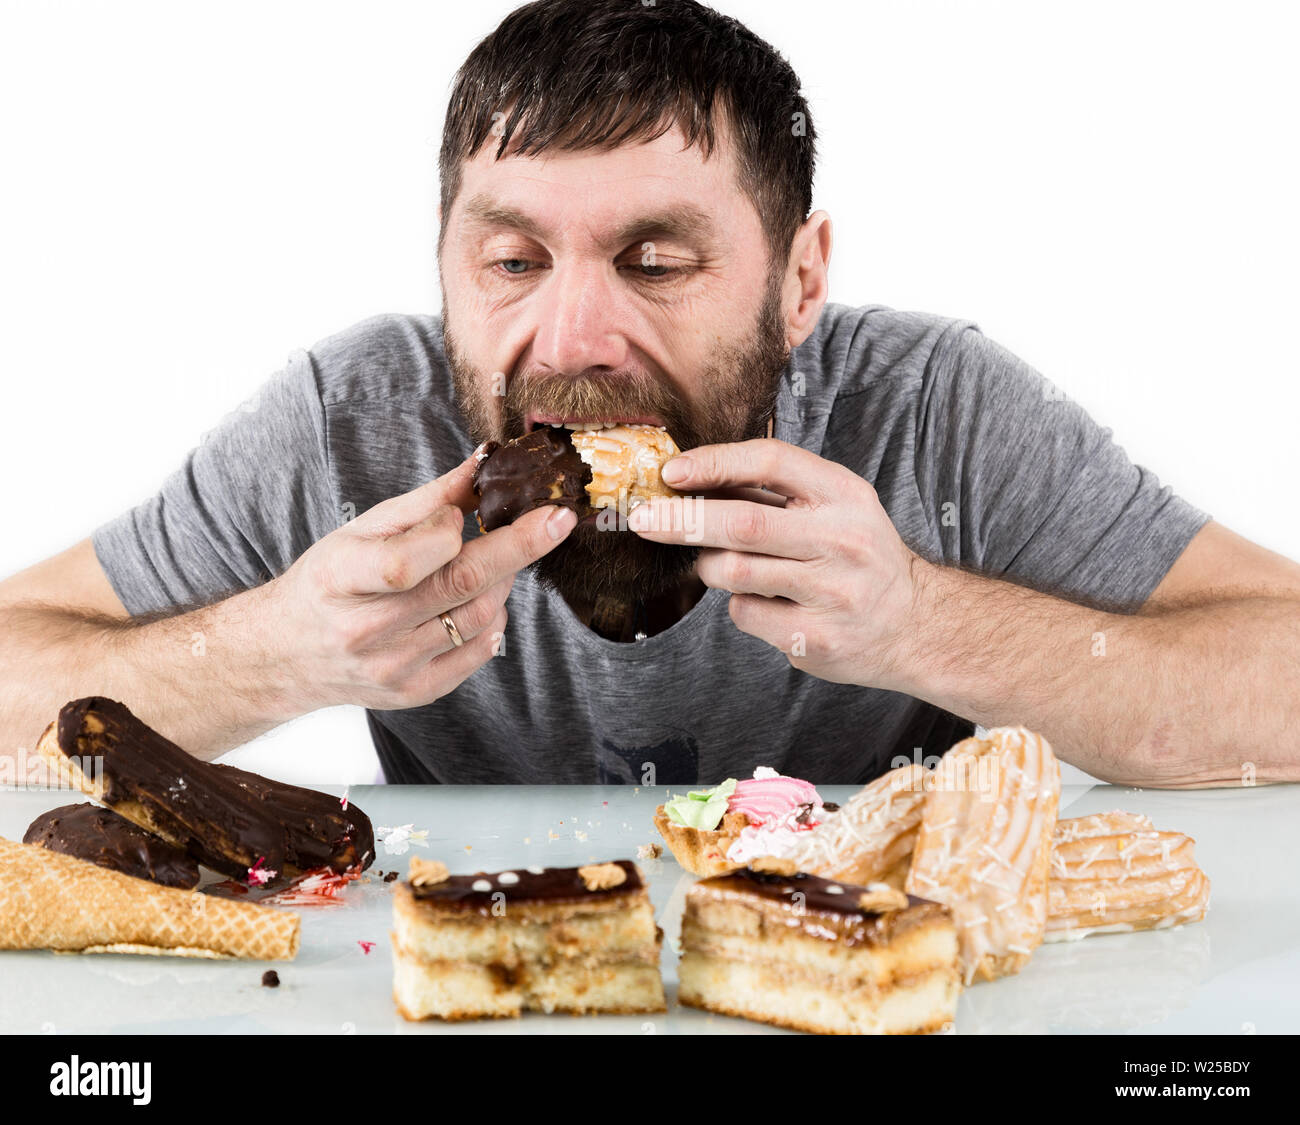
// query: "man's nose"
[[581, 318]]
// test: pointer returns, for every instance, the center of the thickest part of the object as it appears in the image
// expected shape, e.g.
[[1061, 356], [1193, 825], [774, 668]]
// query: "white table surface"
[[1236, 972]]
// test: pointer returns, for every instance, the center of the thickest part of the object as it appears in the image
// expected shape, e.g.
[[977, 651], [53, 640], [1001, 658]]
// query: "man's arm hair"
[[202, 676], [1185, 694]]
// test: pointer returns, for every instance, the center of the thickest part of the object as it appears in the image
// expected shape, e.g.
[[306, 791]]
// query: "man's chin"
[[592, 564]]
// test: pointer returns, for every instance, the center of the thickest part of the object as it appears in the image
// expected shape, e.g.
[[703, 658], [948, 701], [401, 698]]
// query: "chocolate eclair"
[[586, 468], [226, 819], [100, 836], [530, 472]]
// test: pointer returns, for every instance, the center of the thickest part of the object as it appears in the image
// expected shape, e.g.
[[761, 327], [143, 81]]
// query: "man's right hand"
[[357, 615]]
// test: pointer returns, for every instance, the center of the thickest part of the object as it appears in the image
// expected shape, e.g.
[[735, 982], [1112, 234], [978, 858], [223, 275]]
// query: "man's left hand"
[[813, 563]]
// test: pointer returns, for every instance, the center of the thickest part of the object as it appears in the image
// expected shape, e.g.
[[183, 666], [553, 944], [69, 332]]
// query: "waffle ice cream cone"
[[52, 901]]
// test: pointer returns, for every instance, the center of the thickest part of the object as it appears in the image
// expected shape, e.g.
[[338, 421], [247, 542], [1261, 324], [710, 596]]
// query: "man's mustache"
[[593, 395]]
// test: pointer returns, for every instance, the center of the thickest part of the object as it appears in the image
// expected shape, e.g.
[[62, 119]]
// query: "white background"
[[191, 191]]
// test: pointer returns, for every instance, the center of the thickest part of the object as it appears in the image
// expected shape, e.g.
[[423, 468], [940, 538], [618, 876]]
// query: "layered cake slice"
[[807, 953], [550, 939]]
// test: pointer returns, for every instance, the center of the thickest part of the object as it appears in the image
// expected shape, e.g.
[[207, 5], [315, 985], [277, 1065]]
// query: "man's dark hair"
[[582, 74]]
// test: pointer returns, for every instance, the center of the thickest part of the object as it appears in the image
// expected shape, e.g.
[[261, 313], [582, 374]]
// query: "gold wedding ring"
[[447, 623]]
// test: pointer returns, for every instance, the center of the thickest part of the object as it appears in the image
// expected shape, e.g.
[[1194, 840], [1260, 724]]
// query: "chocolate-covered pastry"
[[224, 818], [100, 836], [530, 472], [318, 831], [587, 469]]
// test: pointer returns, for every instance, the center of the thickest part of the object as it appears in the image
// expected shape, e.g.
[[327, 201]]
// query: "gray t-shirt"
[[978, 461]]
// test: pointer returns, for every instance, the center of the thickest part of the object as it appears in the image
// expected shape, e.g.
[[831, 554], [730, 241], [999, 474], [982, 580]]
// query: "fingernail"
[[640, 518], [560, 522], [678, 469]]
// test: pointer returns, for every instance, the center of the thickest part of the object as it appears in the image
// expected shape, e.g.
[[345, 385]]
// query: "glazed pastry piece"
[[984, 845], [872, 835], [625, 464], [53, 901], [1115, 873], [561, 939], [318, 831], [101, 837], [815, 955], [224, 818]]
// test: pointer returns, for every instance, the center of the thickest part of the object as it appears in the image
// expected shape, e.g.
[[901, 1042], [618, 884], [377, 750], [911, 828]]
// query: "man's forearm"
[[209, 679], [1188, 697]]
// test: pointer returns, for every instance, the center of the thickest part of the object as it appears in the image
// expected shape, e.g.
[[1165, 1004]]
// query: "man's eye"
[[508, 265], [652, 271]]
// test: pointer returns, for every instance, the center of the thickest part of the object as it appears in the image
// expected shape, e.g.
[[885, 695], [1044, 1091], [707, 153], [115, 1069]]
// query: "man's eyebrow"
[[685, 222]]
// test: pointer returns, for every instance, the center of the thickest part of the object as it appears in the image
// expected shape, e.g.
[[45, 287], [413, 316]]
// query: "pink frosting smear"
[[770, 795]]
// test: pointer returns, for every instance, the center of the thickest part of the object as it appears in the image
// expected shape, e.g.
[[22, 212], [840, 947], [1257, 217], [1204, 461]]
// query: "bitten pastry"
[[807, 953], [105, 839], [625, 463], [559, 939], [540, 468], [1115, 873], [984, 845], [226, 819], [584, 467], [52, 901]]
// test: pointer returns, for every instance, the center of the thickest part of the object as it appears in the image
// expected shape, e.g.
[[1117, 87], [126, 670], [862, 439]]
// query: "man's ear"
[[807, 285]]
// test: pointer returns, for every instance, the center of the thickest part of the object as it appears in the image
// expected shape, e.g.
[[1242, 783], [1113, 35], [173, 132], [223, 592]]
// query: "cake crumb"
[[648, 851], [602, 876], [270, 979], [389, 876], [579, 835]]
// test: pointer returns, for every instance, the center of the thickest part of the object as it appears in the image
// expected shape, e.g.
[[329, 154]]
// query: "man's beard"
[[736, 397]]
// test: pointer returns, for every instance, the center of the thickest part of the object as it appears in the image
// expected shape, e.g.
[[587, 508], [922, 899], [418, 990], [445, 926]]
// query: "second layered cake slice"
[[808, 953], [554, 939]]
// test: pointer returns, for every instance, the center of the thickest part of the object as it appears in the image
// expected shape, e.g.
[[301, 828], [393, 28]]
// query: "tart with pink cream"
[[714, 831]]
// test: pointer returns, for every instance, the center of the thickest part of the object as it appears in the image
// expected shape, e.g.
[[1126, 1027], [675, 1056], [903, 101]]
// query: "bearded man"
[[901, 530]]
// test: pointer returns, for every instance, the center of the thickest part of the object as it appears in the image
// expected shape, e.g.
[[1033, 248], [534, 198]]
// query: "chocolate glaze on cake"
[[530, 472], [101, 837], [819, 911], [548, 884]]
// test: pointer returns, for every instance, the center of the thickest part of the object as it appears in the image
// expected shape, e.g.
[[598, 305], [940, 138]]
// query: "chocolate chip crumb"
[[270, 979], [830, 806], [389, 876]]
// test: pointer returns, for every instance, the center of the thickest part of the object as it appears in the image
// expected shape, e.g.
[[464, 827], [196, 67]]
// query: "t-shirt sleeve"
[[1025, 485], [248, 500]]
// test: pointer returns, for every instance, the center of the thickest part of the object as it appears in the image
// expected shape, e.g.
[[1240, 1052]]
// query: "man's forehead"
[[635, 190], [617, 224]]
